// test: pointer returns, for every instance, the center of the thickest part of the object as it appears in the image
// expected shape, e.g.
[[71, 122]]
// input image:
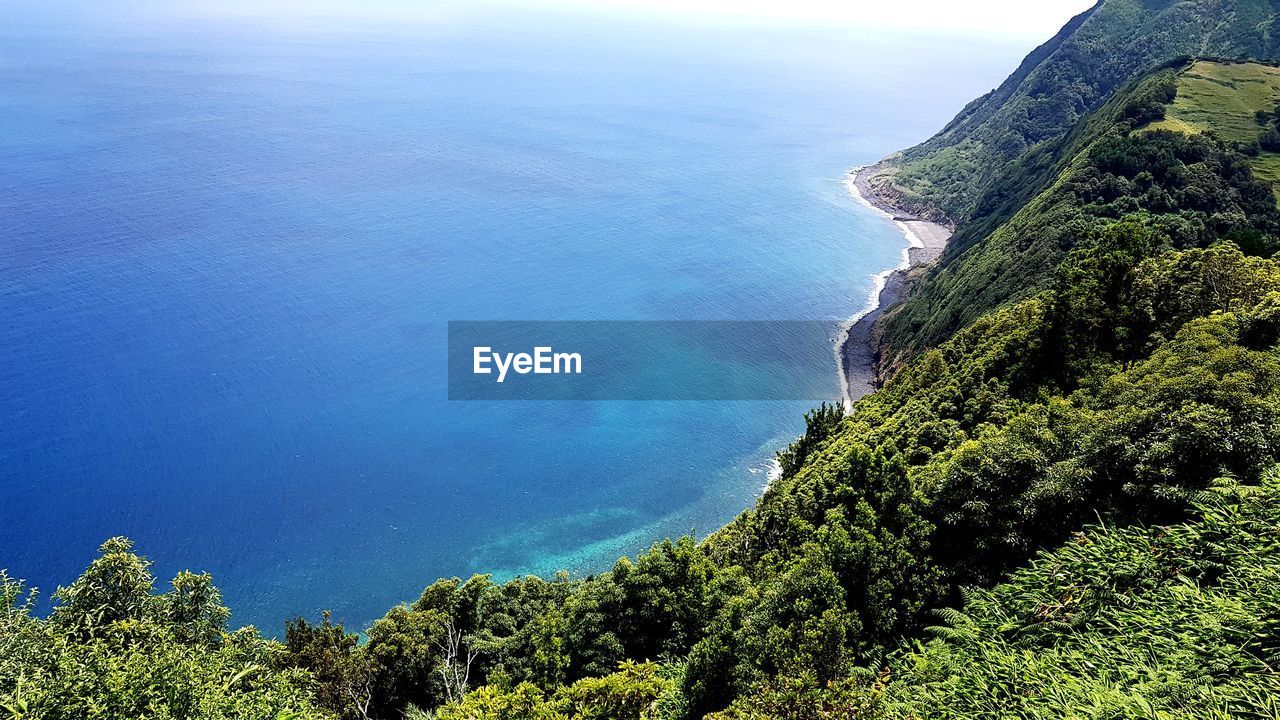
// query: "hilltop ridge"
[[1063, 80], [1011, 145]]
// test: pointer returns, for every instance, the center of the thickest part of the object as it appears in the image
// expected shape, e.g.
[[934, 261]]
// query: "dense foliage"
[[113, 649], [628, 694], [1197, 188], [1170, 621]]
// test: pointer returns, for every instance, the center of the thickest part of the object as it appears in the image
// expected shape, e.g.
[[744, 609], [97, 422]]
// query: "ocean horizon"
[[230, 248]]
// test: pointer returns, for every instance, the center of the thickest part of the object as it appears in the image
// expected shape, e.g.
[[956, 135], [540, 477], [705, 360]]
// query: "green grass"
[[1223, 97], [1267, 166]]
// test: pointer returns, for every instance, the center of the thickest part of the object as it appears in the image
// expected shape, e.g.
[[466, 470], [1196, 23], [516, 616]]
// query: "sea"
[[232, 239]]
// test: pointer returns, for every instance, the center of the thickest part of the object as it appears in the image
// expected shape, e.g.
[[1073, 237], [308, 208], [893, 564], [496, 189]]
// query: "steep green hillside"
[[1161, 622], [1071, 75], [1198, 188]]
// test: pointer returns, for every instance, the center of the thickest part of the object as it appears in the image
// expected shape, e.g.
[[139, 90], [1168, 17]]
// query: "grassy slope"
[[1058, 639], [1224, 97]]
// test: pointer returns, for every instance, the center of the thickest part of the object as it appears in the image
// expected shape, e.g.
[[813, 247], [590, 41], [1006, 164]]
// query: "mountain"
[[1060, 82], [991, 163]]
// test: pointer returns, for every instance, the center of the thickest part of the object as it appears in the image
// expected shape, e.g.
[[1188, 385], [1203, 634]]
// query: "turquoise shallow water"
[[229, 249]]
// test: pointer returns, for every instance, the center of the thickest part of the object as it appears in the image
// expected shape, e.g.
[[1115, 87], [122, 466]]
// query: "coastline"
[[926, 240]]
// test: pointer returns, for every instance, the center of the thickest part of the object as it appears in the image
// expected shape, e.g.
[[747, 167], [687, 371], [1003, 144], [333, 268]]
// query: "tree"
[[194, 607], [114, 650], [1270, 139], [343, 673], [819, 424], [403, 649], [116, 587], [455, 662]]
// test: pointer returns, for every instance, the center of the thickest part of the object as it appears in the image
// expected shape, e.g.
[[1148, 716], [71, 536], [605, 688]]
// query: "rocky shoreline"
[[857, 352]]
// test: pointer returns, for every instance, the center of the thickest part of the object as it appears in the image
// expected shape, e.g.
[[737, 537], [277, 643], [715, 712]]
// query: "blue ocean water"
[[230, 245]]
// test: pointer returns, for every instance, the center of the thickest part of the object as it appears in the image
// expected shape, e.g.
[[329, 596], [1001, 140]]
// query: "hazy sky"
[[1016, 17], [1031, 19]]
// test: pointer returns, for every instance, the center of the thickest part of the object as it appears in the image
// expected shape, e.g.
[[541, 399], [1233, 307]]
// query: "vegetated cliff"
[[1010, 146], [1094, 55]]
